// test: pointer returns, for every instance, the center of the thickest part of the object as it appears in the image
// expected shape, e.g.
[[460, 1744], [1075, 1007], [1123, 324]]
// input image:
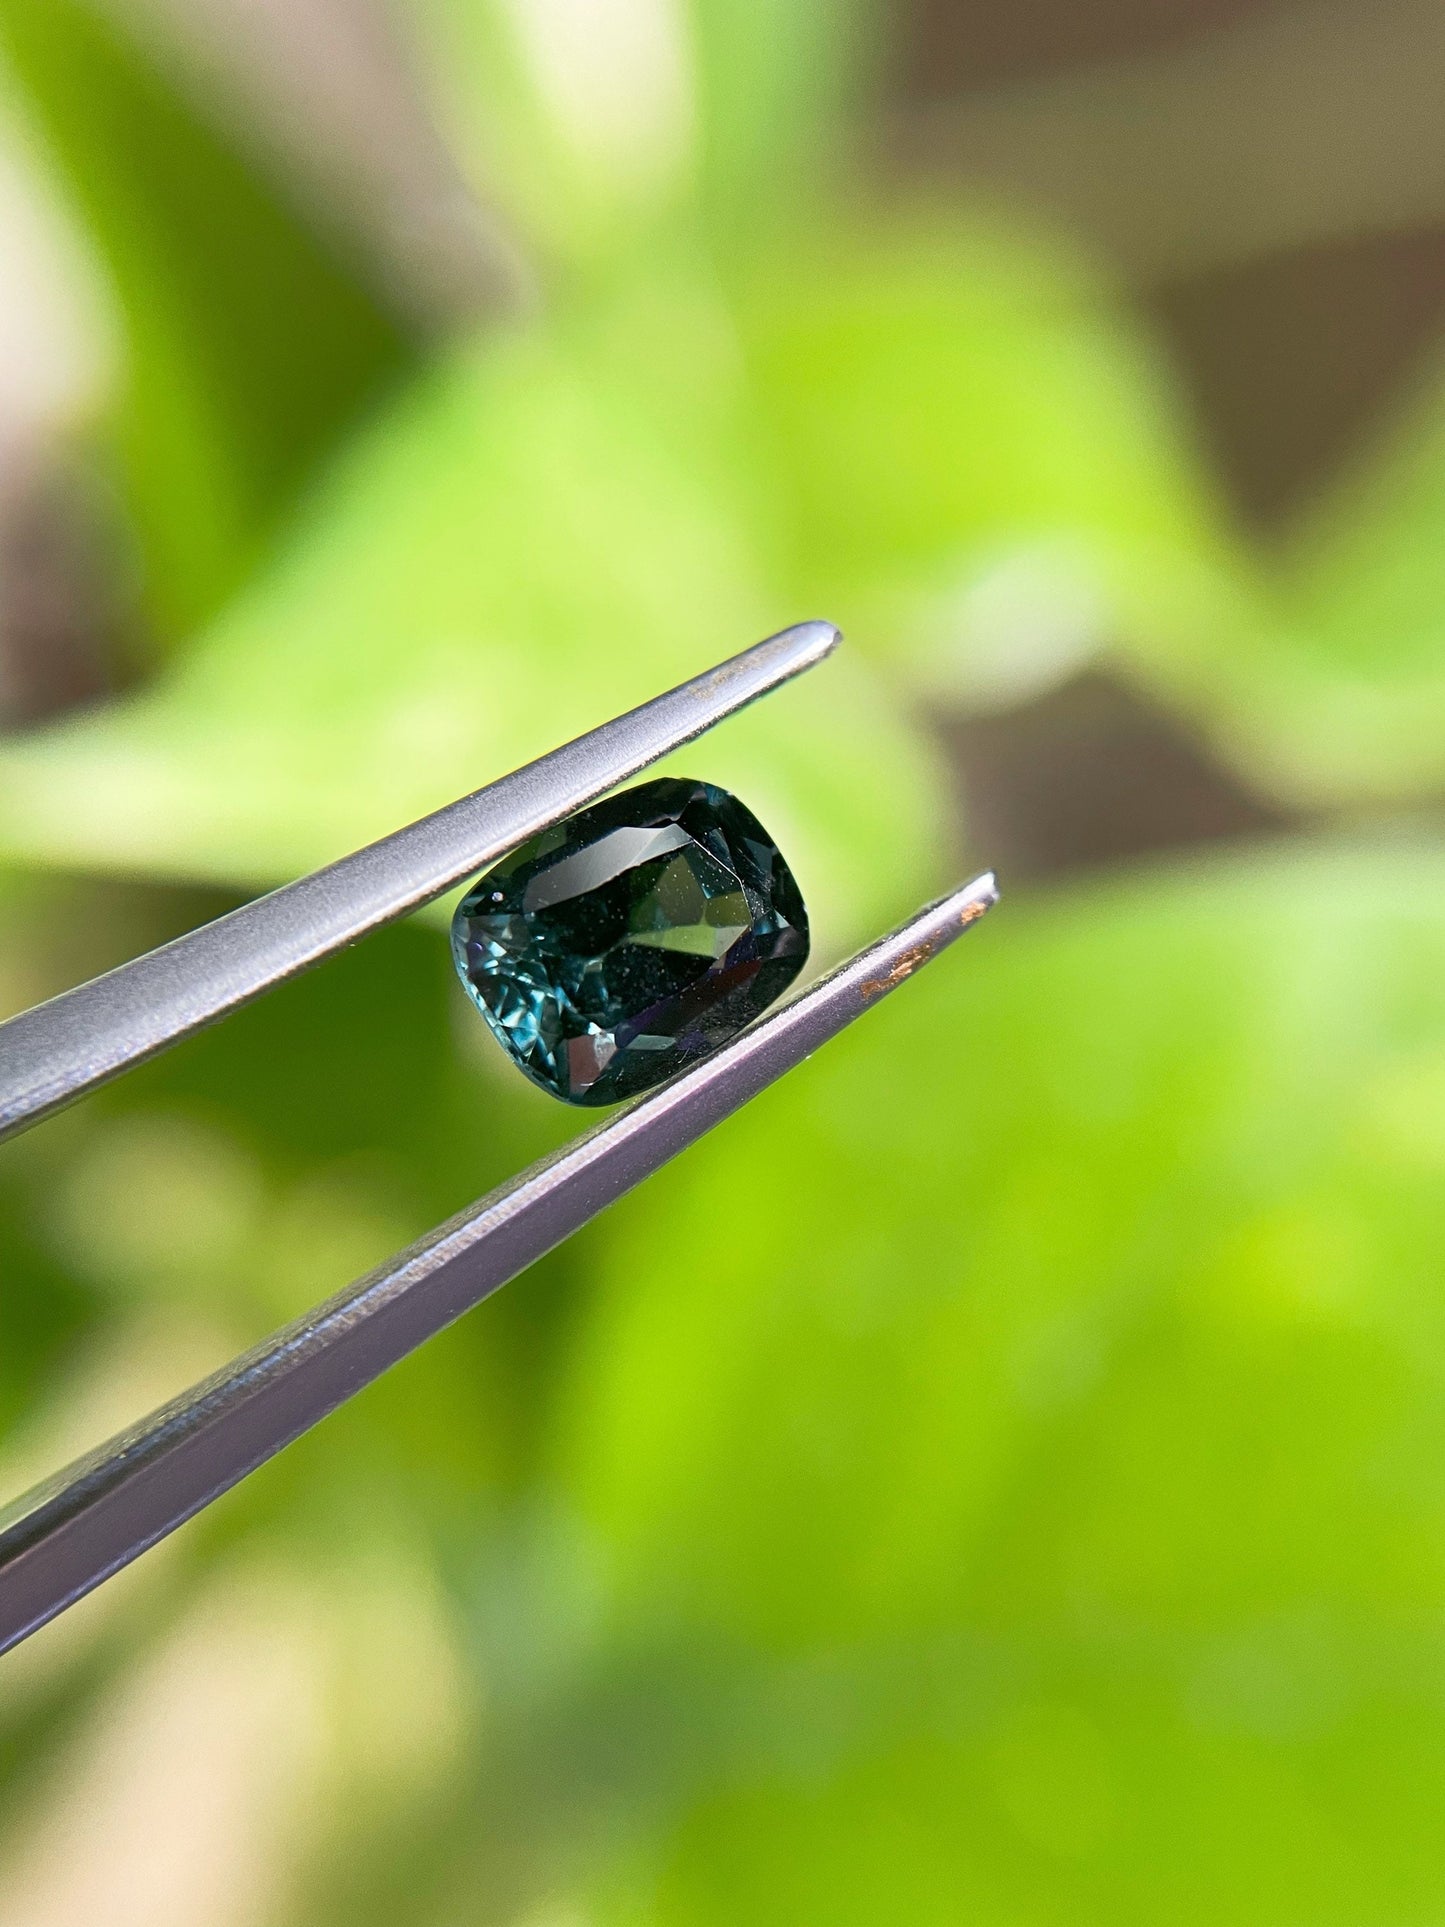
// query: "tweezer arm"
[[62, 1049], [67, 1535]]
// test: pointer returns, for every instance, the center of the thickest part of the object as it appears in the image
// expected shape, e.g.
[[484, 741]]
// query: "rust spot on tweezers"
[[904, 965]]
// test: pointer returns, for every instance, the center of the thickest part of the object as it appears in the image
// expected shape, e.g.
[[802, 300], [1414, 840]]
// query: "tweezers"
[[74, 1530]]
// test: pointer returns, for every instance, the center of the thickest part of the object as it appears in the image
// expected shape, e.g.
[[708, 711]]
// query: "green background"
[[999, 1477]]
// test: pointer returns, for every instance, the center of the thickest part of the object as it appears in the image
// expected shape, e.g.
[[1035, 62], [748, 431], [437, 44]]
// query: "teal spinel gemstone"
[[628, 942]]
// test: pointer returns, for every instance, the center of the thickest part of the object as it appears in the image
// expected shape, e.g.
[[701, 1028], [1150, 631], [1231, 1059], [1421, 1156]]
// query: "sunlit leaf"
[[1194, 1788], [1056, 1361], [581, 121], [602, 125], [984, 459], [780, 83]]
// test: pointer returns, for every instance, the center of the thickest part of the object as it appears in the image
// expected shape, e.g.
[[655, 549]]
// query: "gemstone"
[[630, 941]]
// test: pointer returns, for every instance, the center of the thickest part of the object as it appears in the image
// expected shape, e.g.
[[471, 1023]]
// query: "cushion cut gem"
[[628, 942]]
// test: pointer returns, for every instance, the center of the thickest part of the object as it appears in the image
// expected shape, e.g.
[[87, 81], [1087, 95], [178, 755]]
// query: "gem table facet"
[[628, 942]]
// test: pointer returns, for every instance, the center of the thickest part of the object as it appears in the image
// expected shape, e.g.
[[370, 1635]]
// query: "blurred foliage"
[[994, 1478], [419, 637], [249, 342]]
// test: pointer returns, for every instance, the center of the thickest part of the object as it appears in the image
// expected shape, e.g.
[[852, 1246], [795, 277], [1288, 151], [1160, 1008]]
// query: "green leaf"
[[1053, 1366], [1193, 1798], [984, 459], [983, 456], [248, 342], [779, 83], [582, 124], [539, 536], [604, 126], [1105, 1138]]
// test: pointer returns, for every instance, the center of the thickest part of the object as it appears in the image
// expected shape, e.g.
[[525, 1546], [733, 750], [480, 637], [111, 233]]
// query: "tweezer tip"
[[977, 897], [817, 638]]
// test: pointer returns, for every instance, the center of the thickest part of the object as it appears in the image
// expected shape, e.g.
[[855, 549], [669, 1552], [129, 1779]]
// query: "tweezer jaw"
[[57, 1052], [66, 1536]]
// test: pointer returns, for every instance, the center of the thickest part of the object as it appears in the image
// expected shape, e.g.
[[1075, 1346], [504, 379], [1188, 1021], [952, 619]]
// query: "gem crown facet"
[[630, 941]]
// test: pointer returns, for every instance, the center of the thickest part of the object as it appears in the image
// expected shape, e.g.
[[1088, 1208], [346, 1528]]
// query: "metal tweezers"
[[80, 1526]]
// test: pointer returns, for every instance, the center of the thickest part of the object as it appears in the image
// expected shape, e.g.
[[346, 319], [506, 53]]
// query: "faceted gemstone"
[[628, 942]]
